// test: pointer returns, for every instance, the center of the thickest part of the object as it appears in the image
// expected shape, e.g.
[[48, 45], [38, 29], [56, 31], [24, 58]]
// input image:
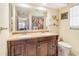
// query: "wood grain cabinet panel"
[[51, 48], [17, 50], [43, 46], [30, 49]]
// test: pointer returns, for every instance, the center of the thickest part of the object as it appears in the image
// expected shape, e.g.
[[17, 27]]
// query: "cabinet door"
[[52, 47], [17, 50], [30, 49], [42, 49]]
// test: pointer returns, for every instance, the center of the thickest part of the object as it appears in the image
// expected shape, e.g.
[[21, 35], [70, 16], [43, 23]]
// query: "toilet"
[[64, 48]]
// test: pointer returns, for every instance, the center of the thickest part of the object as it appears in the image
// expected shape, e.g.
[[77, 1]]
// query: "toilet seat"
[[64, 44]]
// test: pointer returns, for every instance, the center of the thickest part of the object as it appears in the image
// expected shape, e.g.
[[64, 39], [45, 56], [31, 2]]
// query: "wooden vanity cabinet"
[[43, 46]]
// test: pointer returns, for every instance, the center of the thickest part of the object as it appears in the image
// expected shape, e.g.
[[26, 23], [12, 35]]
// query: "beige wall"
[[4, 22], [51, 20], [70, 36]]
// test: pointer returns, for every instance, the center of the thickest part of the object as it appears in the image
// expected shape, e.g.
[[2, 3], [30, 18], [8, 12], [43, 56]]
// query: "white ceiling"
[[50, 5]]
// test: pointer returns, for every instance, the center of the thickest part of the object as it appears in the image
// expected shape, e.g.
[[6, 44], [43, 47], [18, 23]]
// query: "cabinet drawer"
[[44, 39], [17, 42]]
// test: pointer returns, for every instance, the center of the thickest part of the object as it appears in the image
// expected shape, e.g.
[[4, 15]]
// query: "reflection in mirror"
[[22, 19], [22, 24], [37, 22], [26, 19]]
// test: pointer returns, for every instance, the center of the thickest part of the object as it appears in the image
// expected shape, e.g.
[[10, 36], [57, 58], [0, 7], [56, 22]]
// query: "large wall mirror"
[[24, 19]]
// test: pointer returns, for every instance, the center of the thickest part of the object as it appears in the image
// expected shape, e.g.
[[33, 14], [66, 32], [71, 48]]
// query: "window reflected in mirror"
[[22, 24]]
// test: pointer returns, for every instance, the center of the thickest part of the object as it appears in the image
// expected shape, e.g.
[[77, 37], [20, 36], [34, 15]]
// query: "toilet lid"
[[64, 44]]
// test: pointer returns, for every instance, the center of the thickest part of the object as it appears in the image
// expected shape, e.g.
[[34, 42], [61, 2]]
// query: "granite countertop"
[[30, 35]]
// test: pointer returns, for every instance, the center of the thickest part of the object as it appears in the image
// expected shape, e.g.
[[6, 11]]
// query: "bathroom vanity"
[[30, 21], [33, 45]]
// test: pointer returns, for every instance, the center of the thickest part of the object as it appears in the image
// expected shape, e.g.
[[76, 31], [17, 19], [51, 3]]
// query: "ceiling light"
[[41, 8], [44, 3]]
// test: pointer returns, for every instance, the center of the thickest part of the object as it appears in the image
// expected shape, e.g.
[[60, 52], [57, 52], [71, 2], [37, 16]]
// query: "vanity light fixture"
[[23, 5]]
